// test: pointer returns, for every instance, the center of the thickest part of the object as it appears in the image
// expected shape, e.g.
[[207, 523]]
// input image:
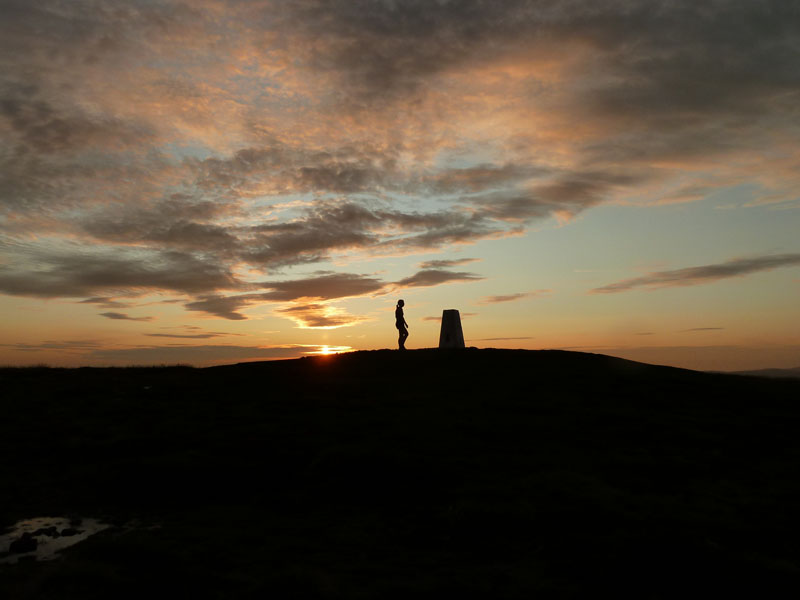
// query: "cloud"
[[506, 298], [84, 272], [225, 307], [175, 223], [736, 267], [282, 167], [105, 302], [192, 336], [704, 329], [623, 61], [327, 227], [43, 128], [123, 317], [318, 316], [222, 139], [564, 196], [320, 290], [325, 286], [445, 264], [429, 277], [513, 297]]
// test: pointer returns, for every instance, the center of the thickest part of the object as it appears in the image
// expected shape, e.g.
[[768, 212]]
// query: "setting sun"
[[326, 350]]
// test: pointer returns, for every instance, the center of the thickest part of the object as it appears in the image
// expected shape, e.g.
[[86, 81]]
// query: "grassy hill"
[[485, 473]]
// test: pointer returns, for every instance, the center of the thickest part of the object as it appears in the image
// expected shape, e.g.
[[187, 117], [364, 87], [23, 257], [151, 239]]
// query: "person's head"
[[400, 303]]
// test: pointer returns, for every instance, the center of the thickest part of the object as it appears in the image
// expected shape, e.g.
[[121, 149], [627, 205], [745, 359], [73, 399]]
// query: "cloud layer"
[[513, 297], [232, 150], [704, 274], [309, 299], [123, 317]]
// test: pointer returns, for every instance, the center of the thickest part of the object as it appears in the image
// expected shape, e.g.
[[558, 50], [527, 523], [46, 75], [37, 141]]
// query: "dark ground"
[[484, 473]]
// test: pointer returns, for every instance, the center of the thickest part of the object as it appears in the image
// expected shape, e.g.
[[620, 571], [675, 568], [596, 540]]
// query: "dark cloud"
[[328, 227], [512, 297], [696, 275], [564, 196], [658, 85], [225, 307], [481, 178], [318, 290], [44, 129], [349, 170], [737, 54], [83, 273], [192, 336], [448, 227], [43, 191], [428, 277], [105, 302], [312, 237], [385, 50], [506, 298], [632, 92], [445, 264], [704, 329], [286, 168], [325, 286], [123, 317], [340, 225], [178, 223]]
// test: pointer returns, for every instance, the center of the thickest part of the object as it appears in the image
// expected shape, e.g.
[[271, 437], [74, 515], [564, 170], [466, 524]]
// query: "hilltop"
[[382, 474]]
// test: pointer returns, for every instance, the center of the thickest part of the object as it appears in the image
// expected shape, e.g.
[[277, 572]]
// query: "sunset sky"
[[209, 181]]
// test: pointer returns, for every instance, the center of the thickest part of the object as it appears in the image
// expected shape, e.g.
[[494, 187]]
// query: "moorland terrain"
[[383, 474]]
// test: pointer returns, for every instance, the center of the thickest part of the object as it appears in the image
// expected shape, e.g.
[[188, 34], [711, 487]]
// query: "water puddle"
[[44, 537]]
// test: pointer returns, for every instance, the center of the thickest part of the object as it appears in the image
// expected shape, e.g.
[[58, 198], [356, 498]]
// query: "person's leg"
[[401, 340]]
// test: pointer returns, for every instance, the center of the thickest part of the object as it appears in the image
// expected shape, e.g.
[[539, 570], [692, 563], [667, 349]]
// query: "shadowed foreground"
[[404, 475]]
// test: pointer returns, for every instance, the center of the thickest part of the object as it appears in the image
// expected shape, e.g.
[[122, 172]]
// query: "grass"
[[387, 475]]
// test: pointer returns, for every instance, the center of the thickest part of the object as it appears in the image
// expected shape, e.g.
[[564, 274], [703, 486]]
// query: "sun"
[[326, 350]]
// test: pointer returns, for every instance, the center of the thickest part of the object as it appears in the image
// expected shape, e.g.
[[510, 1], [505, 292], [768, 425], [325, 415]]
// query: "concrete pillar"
[[451, 335]]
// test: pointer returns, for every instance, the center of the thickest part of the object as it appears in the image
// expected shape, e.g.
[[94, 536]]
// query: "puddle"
[[44, 537]]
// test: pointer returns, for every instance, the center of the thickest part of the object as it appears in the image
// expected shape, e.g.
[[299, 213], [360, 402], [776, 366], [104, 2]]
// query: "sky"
[[212, 181]]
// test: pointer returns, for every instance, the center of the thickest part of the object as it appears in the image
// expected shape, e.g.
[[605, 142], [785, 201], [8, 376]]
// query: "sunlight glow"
[[326, 350]]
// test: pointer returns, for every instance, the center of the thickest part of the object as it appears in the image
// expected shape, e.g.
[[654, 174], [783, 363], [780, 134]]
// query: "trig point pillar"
[[451, 335]]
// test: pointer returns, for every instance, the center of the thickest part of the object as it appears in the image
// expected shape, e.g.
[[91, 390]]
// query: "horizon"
[[223, 182], [329, 351]]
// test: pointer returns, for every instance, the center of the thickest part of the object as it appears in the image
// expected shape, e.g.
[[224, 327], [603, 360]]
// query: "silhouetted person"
[[400, 323]]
